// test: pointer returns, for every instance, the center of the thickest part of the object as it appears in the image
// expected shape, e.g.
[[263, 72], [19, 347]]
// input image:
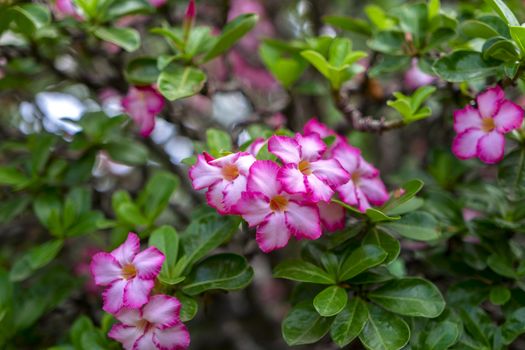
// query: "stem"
[[520, 168]]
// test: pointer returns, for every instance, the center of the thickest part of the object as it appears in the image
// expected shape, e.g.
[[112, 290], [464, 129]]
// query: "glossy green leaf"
[[503, 11], [441, 335], [222, 271], [127, 152], [232, 32], [518, 34], [410, 297], [30, 17], [419, 225], [218, 142], [318, 61], [360, 260], [514, 326], [349, 323], [166, 239], [384, 331], [303, 325], [389, 42], [36, 258], [155, 197], [409, 190], [121, 8], [126, 38], [501, 49], [302, 271], [189, 306], [142, 71], [477, 29], [178, 82], [350, 24], [330, 301], [464, 66], [499, 295], [131, 214], [384, 240]]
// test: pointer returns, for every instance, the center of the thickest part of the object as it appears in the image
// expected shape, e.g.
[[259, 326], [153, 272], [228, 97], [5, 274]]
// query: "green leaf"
[[121, 8], [419, 225], [384, 331], [499, 295], [127, 152], [382, 239], [178, 82], [156, 195], [501, 265], [389, 42], [473, 28], [330, 301], [36, 258], [189, 307], [303, 325], [11, 208], [433, 8], [218, 142], [12, 177], [130, 213], [410, 297], [464, 66], [222, 271], [287, 70], [41, 146], [442, 335], [47, 205], [379, 18], [503, 11], [355, 25], [376, 215], [501, 49], [360, 260], [232, 32], [318, 61], [302, 271], [126, 38], [166, 239], [514, 326], [206, 234], [410, 189], [350, 322], [142, 71], [518, 34], [30, 17]]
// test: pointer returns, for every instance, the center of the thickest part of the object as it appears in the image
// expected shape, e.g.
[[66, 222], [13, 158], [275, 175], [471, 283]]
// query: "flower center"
[[278, 203], [487, 124], [143, 325], [356, 177], [129, 271], [304, 167], [230, 172]]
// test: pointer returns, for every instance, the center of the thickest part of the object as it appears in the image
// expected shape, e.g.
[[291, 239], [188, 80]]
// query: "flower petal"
[[466, 118], [254, 207], [148, 263], [204, 174], [129, 317], [348, 156], [105, 269], [162, 310], [312, 146], [489, 101], [509, 117], [256, 146], [348, 194], [231, 193], [366, 169], [314, 126], [244, 162], [127, 250], [136, 292], [303, 221], [215, 196], [330, 171], [362, 201], [174, 338], [332, 216], [292, 180], [374, 189], [272, 233], [263, 178], [126, 335], [465, 144], [286, 148], [491, 147], [113, 297], [318, 189], [145, 342]]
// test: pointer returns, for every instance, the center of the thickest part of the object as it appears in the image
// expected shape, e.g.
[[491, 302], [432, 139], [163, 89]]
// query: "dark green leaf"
[[360, 260], [501, 49], [126, 38], [350, 322], [388, 243], [330, 301], [166, 239], [384, 331], [127, 152], [499, 295], [36, 258], [355, 25], [419, 225], [442, 335], [156, 195], [514, 326], [142, 71], [464, 66], [189, 307], [303, 325], [302, 271]]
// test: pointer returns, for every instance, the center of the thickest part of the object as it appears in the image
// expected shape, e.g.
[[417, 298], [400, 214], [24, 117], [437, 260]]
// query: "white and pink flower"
[[416, 78], [364, 188], [156, 326], [277, 214], [128, 274], [304, 171], [143, 104], [481, 131], [224, 178], [314, 126], [332, 216]]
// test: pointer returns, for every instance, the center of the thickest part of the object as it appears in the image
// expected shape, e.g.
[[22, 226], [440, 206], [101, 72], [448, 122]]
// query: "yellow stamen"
[[278, 203], [129, 271], [487, 124], [230, 172], [304, 167], [356, 177]]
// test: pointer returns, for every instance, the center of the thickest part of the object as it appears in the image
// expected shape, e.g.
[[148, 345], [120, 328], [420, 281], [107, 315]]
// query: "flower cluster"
[[291, 197], [147, 322], [481, 131]]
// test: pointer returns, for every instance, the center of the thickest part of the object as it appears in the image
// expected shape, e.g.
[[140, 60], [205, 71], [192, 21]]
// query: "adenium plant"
[[255, 174]]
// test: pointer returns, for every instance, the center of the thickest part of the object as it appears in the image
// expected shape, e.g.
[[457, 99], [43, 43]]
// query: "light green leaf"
[[302, 271], [418, 225], [178, 82], [126, 38], [503, 11], [330, 301]]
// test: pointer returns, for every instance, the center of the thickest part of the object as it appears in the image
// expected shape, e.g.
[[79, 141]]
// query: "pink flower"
[[364, 188], [304, 172], [256, 146], [157, 3], [128, 274], [225, 178], [156, 326], [276, 214], [66, 8], [480, 132], [264, 28], [415, 77], [314, 126], [143, 103], [252, 77], [332, 216]]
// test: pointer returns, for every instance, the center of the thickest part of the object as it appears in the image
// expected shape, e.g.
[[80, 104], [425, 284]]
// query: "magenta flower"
[[332, 216], [276, 214], [415, 77], [304, 171], [480, 132], [128, 274], [314, 126], [225, 178], [157, 3], [143, 103], [256, 146], [156, 326], [66, 8], [365, 187]]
